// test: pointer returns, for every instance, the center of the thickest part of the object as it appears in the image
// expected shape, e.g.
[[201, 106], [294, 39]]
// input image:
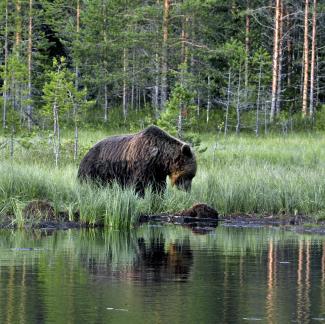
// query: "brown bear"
[[140, 160]]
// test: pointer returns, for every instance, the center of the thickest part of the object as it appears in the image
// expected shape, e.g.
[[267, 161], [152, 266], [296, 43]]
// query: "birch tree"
[[29, 55], [164, 56], [305, 62], [5, 72], [275, 65], [280, 62], [312, 63], [247, 44]]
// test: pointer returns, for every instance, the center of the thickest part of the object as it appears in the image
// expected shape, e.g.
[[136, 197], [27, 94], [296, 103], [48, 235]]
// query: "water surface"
[[162, 275]]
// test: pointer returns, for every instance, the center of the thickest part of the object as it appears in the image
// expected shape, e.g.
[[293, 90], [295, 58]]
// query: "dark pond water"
[[162, 275]]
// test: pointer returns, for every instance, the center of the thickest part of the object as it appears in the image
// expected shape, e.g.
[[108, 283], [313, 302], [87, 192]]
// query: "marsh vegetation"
[[236, 175]]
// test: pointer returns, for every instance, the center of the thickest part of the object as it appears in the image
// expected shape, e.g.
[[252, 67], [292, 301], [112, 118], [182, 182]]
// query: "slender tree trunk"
[[12, 142], [180, 115], [125, 62], [184, 58], [105, 63], [198, 104], [238, 102], [56, 133], [133, 79], [18, 24], [156, 90], [57, 157], [156, 102], [75, 105], [139, 98], [78, 31], [265, 118], [258, 100], [317, 79], [228, 101], [312, 64], [306, 62], [289, 50], [247, 46], [16, 86], [164, 67], [184, 37], [105, 103], [280, 61], [192, 26], [275, 60], [30, 40], [5, 78], [209, 99], [76, 142], [144, 98]]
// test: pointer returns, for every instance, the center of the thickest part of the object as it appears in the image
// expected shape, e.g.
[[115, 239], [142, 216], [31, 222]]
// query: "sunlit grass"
[[236, 175]]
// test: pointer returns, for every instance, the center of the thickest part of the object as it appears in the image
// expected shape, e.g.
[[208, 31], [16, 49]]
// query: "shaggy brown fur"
[[200, 211], [140, 160], [39, 209]]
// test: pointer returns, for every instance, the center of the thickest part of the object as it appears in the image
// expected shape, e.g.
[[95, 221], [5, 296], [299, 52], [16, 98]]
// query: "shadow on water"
[[162, 274]]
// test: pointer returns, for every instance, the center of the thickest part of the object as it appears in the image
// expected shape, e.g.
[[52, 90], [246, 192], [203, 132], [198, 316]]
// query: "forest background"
[[73, 72], [194, 65]]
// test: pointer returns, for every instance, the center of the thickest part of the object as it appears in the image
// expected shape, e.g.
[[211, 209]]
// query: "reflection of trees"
[[10, 296], [323, 279], [307, 282], [271, 280], [19, 294], [303, 281], [300, 281], [232, 273], [323, 265]]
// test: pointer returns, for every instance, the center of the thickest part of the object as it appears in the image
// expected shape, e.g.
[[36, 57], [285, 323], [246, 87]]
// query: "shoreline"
[[299, 224]]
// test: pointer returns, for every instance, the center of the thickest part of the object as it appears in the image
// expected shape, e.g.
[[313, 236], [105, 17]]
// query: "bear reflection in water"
[[155, 261]]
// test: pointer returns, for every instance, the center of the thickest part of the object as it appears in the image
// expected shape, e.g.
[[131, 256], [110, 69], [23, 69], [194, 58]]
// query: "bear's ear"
[[186, 150]]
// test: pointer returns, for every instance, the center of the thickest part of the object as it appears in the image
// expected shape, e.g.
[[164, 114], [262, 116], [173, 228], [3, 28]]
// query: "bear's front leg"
[[139, 189], [159, 186]]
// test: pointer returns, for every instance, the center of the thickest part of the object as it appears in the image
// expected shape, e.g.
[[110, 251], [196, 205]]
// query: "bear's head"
[[183, 168]]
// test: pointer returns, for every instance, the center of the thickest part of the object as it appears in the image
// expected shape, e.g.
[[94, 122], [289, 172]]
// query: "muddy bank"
[[201, 218], [40, 214], [298, 223], [46, 225]]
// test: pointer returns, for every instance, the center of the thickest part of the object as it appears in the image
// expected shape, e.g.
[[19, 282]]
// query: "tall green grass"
[[238, 175]]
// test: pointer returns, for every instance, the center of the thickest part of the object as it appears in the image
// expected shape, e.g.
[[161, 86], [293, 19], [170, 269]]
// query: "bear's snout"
[[184, 184]]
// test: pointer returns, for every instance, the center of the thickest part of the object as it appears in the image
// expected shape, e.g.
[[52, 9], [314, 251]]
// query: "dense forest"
[[232, 66]]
